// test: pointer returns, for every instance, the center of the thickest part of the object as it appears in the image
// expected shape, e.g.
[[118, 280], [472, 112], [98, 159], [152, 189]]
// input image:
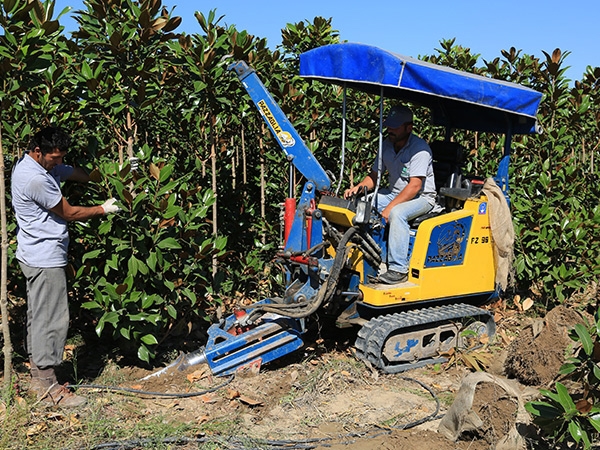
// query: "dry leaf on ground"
[[249, 401]]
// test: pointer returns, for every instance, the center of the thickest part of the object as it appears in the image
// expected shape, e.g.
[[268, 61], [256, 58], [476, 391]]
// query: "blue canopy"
[[456, 99]]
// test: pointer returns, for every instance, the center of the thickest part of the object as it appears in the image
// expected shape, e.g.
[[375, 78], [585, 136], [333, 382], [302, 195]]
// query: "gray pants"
[[47, 314]]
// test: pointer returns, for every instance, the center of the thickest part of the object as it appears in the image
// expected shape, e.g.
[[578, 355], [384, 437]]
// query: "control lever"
[[363, 209]]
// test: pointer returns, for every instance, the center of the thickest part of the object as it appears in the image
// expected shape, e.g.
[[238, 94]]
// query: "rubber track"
[[373, 335]]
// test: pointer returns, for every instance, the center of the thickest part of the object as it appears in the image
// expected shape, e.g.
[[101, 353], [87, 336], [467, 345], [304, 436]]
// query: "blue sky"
[[416, 28]]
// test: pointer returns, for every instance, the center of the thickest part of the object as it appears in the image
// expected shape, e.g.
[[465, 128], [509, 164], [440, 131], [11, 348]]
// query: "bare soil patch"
[[496, 410], [329, 401], [320, 397], [535, 357]]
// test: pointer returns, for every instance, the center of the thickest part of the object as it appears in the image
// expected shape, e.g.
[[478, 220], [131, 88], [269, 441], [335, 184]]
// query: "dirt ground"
[[326, 401], [322, 397]]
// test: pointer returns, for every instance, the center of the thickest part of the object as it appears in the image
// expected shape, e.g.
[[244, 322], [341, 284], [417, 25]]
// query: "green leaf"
[[105, 227], [151, 261], [191, 295], [595, 423], [138, 317], [567, 368], [585, 339], [596, 372], [575, 431], [149, 339], [543, 409], [86, 71], [172, 311], [91, 255], [171, 211], [112, 318], [565, 399], [138, 199], [91, 305], [133, 265], [166, 172], [143, 353], [168, 243], [10, 38], [125, 333], [167, 188], [112, 262], [109, 317], [147, 301]]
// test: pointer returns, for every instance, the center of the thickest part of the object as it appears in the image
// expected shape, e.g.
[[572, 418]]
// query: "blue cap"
[[398, 116]]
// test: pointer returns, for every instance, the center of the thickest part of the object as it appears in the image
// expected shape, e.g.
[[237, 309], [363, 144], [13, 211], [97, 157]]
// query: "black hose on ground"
[[151, 393]]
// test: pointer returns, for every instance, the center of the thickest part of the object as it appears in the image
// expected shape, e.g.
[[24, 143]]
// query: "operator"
[[42, 214], [411, 193]]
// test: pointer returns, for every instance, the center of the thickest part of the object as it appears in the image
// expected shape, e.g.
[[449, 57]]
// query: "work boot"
[[47, 389], [61, 395], [42, 380], [393, 277]]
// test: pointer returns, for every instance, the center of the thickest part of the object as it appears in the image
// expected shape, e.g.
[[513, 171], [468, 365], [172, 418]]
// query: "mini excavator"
[[335, 247]]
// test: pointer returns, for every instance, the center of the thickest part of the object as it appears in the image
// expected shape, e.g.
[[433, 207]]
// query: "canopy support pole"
[[343, 156], [380, 150], [502, 174]]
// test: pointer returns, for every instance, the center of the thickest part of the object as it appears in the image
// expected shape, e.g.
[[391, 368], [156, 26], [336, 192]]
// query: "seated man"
[[411, 192]]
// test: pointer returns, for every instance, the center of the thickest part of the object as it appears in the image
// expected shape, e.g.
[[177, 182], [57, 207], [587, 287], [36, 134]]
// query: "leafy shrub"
[[574, 416], [150, 265]]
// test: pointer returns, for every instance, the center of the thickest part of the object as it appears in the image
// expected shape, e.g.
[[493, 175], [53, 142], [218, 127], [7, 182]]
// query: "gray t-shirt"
[[414, 160], [42, 236]]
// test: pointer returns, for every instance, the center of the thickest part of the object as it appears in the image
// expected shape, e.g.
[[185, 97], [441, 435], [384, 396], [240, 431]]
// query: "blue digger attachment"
[[227, 353]]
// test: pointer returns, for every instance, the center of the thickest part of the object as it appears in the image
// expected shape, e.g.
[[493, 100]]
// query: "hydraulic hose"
[[305, 309]]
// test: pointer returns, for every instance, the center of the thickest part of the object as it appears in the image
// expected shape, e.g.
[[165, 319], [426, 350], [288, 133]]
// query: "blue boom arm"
[[287, 137], [231, 345]]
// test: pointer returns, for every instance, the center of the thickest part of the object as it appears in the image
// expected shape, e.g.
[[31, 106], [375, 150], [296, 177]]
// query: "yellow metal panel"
[[475, 275], [337, 215]]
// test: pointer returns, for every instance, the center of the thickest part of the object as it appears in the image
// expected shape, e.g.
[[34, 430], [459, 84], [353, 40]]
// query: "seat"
[[448, 161]]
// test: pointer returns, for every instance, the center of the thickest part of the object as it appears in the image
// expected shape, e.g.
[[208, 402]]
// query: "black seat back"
[[448, 161]]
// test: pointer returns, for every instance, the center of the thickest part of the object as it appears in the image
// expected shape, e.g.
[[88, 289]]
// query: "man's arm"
[[72, 213], [409, 192], [368, 182]]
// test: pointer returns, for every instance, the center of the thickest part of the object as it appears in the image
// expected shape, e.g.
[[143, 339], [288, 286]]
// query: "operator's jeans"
[[399, 231]]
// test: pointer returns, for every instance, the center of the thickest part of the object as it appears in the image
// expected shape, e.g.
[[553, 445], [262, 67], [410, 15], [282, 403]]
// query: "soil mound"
[[536, 355], [497, 410]]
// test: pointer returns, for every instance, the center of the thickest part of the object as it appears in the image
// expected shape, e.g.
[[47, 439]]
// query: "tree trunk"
[[245, 180], [213, 160], [3, 278], [130, 136], [234, 159], [263, 199]]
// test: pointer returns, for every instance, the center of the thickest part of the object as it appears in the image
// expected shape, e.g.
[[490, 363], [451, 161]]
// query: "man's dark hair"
[[50, 138]]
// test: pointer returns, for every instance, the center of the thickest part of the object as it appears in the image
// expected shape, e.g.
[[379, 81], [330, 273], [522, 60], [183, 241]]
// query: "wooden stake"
[[3, 278]]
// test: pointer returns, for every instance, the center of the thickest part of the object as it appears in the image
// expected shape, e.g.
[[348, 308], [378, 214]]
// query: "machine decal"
[[483, 209], [411, 343], [448, 243], [284, 137]]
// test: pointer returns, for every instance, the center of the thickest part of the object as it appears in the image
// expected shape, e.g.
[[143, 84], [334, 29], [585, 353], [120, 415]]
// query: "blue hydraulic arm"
[[288, 138]]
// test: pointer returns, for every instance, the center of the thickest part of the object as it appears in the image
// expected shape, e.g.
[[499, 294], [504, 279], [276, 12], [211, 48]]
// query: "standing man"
[[42, 214], [411, 193]]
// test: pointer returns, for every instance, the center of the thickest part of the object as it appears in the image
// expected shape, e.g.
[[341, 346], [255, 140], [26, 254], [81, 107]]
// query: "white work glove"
[[109, 206]]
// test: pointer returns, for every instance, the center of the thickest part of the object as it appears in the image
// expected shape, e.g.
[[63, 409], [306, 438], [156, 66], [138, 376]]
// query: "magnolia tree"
[[164, 127]]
